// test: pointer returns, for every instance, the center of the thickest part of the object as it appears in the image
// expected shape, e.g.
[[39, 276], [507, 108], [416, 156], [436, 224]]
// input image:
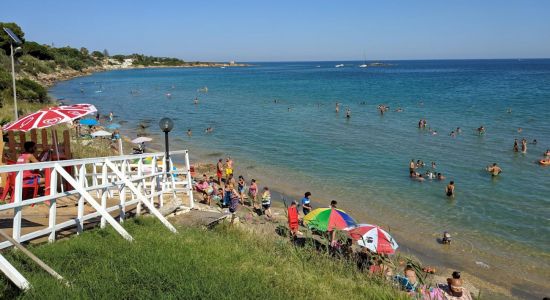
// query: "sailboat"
[[364, 65]]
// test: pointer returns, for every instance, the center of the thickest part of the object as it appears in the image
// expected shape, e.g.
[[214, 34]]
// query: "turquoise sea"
[[501, 225]]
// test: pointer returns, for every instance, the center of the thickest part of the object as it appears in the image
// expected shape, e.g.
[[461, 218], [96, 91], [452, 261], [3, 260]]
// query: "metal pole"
[[13, 80], [167, 154]]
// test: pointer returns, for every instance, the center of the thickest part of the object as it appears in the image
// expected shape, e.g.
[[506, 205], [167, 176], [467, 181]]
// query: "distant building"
[[232, 62]]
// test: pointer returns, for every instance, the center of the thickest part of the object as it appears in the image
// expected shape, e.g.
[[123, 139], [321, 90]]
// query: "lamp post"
[[166, 125], [17, 41]]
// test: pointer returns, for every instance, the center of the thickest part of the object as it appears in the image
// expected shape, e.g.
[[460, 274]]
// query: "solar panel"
[[13, 36]]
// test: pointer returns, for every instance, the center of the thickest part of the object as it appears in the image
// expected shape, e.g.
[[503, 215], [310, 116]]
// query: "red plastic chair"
[[10, 187]]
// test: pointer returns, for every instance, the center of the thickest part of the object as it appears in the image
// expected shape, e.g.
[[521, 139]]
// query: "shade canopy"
[[51, 116]]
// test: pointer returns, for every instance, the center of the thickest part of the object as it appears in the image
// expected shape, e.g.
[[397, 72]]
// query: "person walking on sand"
[[450, 189], [219, 170], [266, 202], [306, 203], [524, 145]]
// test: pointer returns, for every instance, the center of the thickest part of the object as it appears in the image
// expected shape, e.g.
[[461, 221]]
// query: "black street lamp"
[[166, 125]]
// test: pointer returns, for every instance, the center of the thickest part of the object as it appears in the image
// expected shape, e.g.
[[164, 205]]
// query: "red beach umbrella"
[[373, 238], [50, 116]]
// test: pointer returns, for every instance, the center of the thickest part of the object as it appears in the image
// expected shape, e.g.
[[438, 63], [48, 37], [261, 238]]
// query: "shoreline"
[[412, 247]]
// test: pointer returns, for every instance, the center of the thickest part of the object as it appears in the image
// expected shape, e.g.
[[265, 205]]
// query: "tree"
[[84, 51], [5, 39], [97, 54], [105, 53], [39, 51]]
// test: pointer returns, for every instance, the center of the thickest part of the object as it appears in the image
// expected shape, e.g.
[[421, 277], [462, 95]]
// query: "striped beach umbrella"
[[50, 116], [328, 219], [373, 238]]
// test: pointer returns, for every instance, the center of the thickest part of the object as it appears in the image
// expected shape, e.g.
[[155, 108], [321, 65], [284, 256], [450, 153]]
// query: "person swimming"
[[481, 130], [494, 169]]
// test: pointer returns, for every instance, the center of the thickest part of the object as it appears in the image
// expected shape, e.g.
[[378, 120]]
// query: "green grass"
[[221, 264]]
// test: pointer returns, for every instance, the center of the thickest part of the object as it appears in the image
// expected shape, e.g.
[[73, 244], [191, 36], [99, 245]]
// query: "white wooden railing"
[[140, 180]]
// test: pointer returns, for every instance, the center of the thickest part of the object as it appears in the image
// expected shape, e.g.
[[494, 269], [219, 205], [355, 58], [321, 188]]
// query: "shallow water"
[[300, 143]]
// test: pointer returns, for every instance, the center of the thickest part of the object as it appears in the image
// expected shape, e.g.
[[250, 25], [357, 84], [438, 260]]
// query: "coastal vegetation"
[[224, 263], [38, 66]]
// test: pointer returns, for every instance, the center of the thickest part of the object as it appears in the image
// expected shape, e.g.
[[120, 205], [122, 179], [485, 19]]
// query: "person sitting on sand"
[[217, 195], [494, 169], [450, 189], [202, 187], [454, 290], [408, 280], [306, 203], [28, 157], [266, 202], [380, 269], [253, 192]]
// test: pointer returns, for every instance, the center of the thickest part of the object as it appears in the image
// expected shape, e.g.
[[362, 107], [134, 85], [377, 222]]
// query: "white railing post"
[[80, 209], [53, 205], [18, 210], [104, 192], [141, 185], [189, 180], [122, 194]]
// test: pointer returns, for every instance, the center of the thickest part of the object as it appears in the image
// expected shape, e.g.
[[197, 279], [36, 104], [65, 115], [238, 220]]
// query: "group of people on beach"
[[225, 191]]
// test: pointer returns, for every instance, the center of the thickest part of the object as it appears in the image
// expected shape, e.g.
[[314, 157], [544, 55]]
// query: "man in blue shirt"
[[306, 204]]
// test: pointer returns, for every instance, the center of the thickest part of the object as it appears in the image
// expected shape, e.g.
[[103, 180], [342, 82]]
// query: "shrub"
[[34, 65], [36, 50], [31, 91]]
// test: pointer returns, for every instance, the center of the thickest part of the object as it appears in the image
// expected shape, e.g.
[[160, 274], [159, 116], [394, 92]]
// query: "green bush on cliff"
[[35, 66], [36, 50], [31, 91]]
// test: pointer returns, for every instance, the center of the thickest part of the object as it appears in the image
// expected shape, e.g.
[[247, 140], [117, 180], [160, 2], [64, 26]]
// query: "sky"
[[295, 30]]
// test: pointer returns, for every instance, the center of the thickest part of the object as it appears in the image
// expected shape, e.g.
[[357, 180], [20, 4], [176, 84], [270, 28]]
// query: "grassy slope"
[[221, 264]]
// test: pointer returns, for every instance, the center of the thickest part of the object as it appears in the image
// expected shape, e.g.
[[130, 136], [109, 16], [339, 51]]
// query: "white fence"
[[132, 180]]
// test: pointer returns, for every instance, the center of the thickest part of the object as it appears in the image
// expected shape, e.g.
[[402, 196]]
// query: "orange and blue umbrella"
[[328, 219]]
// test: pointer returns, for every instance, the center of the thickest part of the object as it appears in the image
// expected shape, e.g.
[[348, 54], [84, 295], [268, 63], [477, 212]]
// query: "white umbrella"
[[141, 139], [101, 133]]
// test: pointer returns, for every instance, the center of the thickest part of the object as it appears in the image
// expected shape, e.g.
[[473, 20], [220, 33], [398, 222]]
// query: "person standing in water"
[[516, 147], [450, 189], [412, 166], [524, 145], [348, 113], [337, 107], [494, 169], [189, 132]]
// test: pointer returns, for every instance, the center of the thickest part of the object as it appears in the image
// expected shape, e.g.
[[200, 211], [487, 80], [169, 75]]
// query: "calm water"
[[300, 142]]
